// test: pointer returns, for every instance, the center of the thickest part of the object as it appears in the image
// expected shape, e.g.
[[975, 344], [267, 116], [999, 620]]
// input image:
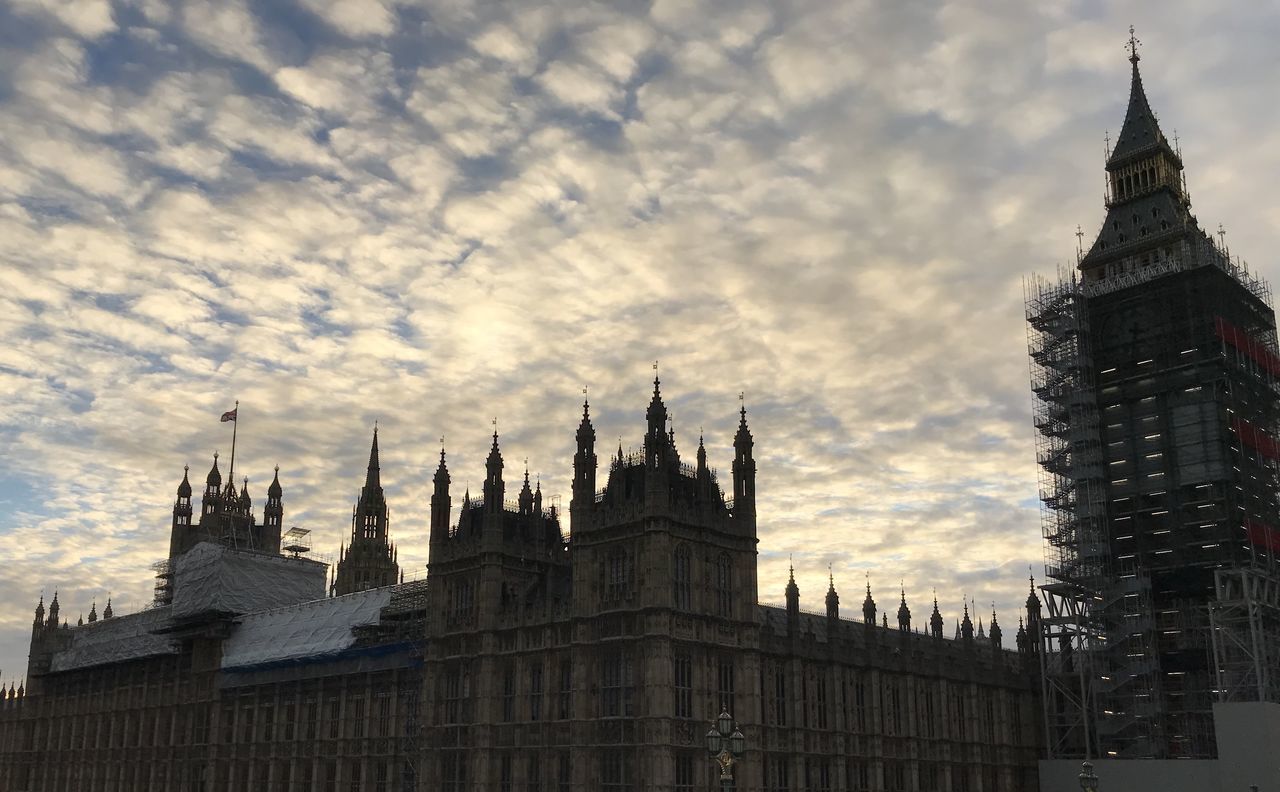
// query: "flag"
[[230, 415]]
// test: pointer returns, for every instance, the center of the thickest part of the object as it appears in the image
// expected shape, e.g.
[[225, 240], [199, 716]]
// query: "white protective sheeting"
[[310, 630], [116, 640], [212, 579]]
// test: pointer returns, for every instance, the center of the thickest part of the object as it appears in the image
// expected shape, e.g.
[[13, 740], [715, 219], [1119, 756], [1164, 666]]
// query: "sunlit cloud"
[[430, 215]]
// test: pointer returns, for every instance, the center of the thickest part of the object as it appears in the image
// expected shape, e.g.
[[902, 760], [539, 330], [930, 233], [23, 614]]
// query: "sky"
[[434, 214]]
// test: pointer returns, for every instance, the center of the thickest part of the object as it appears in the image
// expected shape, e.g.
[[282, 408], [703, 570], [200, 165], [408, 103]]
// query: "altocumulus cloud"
[[431, 214]]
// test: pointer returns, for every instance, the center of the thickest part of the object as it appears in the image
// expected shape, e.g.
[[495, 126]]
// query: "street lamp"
[[725, 744], [1088, 781]]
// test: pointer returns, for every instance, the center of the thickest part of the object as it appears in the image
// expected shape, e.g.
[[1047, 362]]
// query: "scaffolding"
[[1244, 621], [1073, 510]]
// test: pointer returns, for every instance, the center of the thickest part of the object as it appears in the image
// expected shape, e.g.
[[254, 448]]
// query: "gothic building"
[[531, 658], [1155, 372], [369, 560]]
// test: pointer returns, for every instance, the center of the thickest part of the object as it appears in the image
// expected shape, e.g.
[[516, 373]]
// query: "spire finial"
[[1134, 57]]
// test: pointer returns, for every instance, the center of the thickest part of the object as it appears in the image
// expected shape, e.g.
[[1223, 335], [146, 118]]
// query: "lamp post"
[[1088, 781], [725, 744]]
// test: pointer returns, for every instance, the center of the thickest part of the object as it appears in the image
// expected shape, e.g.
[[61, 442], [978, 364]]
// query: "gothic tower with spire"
[[1154, 369], [369, 560]]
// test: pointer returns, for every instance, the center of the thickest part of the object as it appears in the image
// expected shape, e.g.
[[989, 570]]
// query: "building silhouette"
[[529, 658], [1154, 369], [369, 559]]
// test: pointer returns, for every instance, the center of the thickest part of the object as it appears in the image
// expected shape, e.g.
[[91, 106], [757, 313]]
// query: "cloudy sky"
[[429, 214]]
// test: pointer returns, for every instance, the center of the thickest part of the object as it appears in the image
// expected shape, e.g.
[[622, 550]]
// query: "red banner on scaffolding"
[[1246, 344], [1257, 439], [1262, 535]]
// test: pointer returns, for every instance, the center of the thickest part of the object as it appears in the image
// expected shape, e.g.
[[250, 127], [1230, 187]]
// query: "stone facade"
[[530, 660]]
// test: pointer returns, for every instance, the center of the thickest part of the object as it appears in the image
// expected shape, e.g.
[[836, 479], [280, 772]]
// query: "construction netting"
[[215, 579], [310, 630]]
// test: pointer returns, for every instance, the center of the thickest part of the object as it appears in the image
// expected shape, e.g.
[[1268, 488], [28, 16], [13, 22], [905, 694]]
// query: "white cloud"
[[356, 17], [86, 18], [829, 206]]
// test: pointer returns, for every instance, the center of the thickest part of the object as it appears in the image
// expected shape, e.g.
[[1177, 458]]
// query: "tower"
[[181, 514], [273, 513], [369, 561], [584, 466], [440, 504], [1154, 371]]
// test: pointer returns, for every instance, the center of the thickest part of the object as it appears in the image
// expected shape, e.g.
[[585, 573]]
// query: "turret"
[[966, 626], [793, 601], [1033, 618], [182, 505], [273, 512], [995, 631], [869, 607], [106, 612], [440, 503], [39, 622], [93, 612], [833, 599], [935, 619], [657, 449], [744, 472], [211, 501], [904, 613], [525, 499], [494, 488], [53, 611], [584, 468]]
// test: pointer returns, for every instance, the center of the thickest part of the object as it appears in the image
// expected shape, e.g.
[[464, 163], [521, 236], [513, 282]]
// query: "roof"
[[116, 640], [1141, 131], [306, 632]]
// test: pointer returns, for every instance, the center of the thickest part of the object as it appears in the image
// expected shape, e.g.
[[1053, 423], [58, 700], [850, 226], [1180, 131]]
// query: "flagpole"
[[231, 474]]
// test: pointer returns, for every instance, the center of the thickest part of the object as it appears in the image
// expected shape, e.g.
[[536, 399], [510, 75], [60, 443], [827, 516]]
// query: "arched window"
[[683, 576], [724, 585], [617, 584]]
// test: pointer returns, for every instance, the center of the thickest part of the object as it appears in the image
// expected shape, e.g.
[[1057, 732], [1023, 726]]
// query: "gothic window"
[[616, 770], [780, 696], [617, 686], [454, 771], [357, 717], [383, 714], [724, 684], [566, 690], [534, 782], [461, 600], [504, 783], [778, 773], [683, 576], [454, 692], [508, 695], [820, 700], [724, 585], [565, 774], [535, 692], [684, 773], [683, 673], [617, 575]]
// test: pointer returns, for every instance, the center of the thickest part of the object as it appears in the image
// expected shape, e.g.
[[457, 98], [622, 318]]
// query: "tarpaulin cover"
[[116, 640], [309, 630], [211, 578]]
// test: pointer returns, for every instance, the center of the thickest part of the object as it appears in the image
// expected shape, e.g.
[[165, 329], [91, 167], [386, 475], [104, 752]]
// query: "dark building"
[[528, 659], [1154, 369], [369, 560]]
